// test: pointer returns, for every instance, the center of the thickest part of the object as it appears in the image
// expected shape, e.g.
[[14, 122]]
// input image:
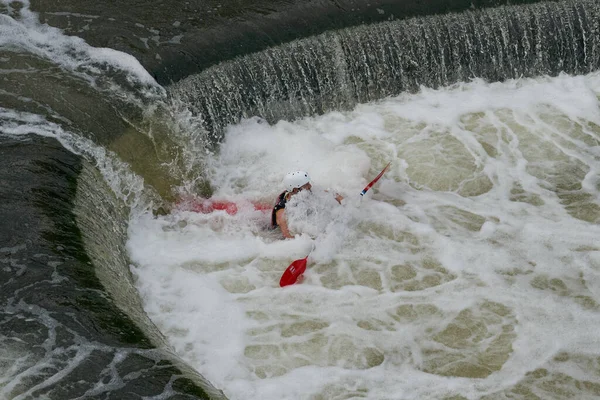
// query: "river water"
[[471, 270]]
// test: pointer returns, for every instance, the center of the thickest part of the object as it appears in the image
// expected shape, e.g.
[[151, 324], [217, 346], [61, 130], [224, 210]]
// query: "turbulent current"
[[471, 270]]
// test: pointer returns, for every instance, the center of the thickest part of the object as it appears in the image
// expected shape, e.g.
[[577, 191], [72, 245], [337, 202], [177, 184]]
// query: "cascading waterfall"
[[339, 69]]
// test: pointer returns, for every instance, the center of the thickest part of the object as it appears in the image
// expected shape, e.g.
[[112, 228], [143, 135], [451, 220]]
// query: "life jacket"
[[279, 205]]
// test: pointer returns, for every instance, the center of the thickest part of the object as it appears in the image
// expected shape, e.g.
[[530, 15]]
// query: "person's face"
[[306, 186]]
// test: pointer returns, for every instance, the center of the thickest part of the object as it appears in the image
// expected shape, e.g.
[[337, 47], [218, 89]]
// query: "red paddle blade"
[[293, 272]]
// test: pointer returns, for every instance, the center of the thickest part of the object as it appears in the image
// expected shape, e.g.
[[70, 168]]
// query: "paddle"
[[293, 272], [297, 268], [374, 181]]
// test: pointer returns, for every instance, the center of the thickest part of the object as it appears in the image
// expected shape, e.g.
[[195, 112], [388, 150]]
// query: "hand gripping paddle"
[[297, 268]]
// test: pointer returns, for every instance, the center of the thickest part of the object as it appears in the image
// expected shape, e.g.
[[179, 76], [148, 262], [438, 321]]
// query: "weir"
[[76, 288], [187, 38], [339, 69]]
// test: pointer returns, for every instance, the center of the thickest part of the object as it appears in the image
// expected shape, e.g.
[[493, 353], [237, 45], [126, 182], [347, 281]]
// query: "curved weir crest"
[[340, 69]]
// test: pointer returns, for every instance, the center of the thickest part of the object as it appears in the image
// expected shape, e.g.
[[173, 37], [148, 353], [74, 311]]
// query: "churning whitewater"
[[471, 269]]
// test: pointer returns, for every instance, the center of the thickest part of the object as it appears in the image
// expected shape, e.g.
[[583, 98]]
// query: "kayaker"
[[294, 182]]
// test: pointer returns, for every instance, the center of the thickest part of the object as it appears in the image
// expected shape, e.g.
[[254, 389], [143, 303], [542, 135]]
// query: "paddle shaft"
[[374, 181]]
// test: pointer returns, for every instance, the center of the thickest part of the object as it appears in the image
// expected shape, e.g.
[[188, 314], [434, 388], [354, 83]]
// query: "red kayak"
[[207, 206]]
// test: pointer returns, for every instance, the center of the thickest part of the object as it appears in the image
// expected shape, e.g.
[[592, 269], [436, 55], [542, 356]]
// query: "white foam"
[[454, 233]]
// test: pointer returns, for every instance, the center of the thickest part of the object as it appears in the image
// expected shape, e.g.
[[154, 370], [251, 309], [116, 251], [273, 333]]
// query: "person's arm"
[[282, 222]]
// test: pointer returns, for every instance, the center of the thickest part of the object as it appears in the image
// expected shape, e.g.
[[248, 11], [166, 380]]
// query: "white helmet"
[[295, 180]]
